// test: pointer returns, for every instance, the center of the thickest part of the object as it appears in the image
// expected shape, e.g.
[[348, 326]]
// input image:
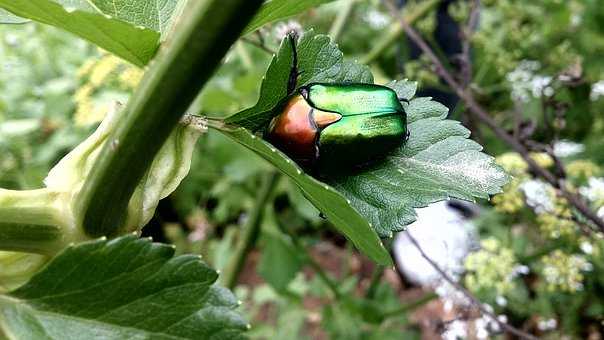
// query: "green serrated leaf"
[[272, 91], [279, 9], [438, 162], [135, 44], [319, 60], [121, 289], [343, 216]]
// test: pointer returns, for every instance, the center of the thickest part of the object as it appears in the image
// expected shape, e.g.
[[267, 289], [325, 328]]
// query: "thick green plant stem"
[[30, 221], [184, 64], [250, 231], [397, 30]]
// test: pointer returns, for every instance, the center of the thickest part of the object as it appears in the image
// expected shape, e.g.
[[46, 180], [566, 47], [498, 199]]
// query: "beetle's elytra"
[[326, 127]]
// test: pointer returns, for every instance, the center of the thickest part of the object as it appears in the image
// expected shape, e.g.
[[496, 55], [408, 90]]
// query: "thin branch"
[[260, 44], [250, 230], [323, 276], [505, 326], [481, 114], [467, 32]]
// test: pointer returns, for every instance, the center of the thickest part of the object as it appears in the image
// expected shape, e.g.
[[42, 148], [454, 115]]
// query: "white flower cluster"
[[456, 330], [566, 148], [545, 325], [565, 271], [526, 82], [376, 19], [538, 195], [484, 326], [594, 191]]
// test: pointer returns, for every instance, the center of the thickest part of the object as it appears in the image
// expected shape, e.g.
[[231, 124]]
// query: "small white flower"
[[586, 247], [594, 190], [11, 39], [540, 85], [520, 270], [538, 195], [575, 20], [566, 148], [282, 29], [501, 301], [597, 90], [456, 330], [488, 307], [481, 325], [601, 212], [547, 325], [377, 19], [526, 83]]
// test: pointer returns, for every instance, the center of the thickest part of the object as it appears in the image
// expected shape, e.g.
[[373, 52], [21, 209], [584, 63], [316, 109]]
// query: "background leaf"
[[279, 9], [123, 288], [438, 162], [280, 261], [125, 39]]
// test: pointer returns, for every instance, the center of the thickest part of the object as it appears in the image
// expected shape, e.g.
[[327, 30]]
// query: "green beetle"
[[331, 127]]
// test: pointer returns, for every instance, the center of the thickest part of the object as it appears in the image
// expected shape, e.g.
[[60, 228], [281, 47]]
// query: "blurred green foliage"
[[38, 80], [530, 58]]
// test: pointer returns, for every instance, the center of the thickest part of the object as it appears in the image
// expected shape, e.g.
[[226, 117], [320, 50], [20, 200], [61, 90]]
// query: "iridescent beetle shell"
[[330, 126]]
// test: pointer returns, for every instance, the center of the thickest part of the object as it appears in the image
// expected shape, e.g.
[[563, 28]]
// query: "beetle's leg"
[[403, 100], [294, 72]]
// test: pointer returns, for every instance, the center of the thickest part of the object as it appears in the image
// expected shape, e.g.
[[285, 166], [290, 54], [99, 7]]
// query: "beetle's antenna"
[[293, 73], [403, 100]]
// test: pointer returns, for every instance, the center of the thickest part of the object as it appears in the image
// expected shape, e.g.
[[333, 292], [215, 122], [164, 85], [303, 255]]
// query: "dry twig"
[[475, 302]]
